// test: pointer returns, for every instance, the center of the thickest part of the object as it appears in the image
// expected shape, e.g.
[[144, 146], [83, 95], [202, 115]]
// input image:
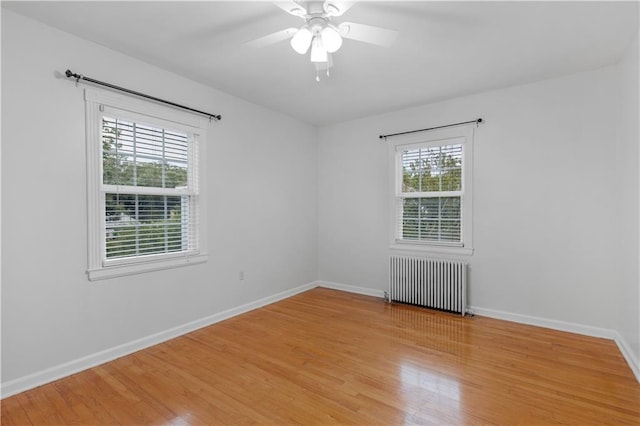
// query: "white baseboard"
[[570, 327], [586, 330], [627, 353], [351, 288], [48, 375]]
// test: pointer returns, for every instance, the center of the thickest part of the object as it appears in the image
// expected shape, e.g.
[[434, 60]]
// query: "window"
[[431, 205], [144, 186]]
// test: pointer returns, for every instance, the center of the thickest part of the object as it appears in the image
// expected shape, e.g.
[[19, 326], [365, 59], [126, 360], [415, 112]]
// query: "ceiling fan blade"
[[292, 8], [337, 7], [272, 38], [367, 33]]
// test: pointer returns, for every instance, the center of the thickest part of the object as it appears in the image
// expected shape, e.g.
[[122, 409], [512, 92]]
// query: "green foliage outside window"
[[432, 170], [139, 224]]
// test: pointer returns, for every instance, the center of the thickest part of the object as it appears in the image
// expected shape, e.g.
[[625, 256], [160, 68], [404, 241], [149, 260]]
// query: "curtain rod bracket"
[[79, 77]]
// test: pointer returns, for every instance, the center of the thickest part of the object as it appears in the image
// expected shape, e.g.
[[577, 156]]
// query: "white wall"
[[260, 220], [627, 162], [546, 189], [555, 223]]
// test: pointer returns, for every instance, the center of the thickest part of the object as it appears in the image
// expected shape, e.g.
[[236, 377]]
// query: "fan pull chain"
[[318, 76]]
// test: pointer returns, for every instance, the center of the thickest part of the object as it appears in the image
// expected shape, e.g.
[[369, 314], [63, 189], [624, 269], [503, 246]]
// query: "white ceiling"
[[443, 50]]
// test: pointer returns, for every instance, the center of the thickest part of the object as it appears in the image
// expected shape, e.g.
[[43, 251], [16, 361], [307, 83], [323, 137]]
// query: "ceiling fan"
[[319, 33]]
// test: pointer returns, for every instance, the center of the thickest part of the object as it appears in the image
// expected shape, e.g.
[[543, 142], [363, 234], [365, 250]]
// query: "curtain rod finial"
[[70, 74]]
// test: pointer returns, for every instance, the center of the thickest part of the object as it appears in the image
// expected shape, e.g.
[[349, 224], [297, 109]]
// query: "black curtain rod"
[[477, 121], [79, 77]]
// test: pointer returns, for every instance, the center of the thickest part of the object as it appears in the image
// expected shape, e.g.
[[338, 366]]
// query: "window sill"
[[139, 268], [420, 249]]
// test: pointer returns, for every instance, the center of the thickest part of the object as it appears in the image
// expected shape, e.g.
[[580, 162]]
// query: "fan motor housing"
[[314, 7], [317, 24]]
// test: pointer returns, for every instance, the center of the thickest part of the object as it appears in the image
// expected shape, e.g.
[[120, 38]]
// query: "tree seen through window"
[[135, 155], [431, 184]]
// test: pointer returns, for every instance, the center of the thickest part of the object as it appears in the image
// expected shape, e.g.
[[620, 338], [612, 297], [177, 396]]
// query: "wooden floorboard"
[[329, 357]]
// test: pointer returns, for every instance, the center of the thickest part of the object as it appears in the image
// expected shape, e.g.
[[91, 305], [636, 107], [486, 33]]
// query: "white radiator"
[[432, 283]]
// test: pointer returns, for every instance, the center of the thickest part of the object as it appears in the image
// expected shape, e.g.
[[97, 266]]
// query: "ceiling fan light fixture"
[[301, 41], [331, 39], [318, 51], [320, 34]]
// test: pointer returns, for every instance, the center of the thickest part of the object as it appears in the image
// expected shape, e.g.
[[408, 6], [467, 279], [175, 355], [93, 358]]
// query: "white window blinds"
[[149, 185], [430, 193]]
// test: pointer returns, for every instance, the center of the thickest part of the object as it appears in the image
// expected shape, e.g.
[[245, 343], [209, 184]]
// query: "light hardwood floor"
[[325, 357]]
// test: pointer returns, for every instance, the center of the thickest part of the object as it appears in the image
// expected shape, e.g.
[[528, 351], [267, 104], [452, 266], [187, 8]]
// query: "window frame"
[[463, 135], [99, 103]]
